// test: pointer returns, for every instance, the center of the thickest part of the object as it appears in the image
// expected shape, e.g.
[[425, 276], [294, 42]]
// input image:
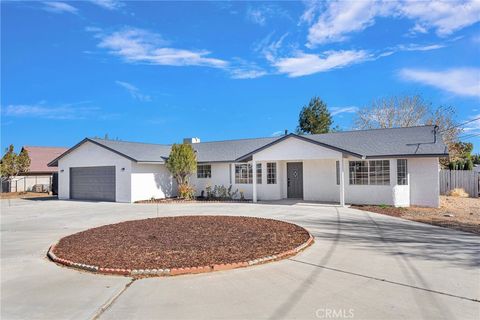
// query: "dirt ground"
[[17, 195], [454, 212]]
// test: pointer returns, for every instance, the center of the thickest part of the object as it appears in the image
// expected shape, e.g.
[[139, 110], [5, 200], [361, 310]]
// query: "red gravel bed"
[[180, 242]]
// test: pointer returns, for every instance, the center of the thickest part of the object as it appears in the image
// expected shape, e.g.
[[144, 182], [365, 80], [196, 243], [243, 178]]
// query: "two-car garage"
[[92, 183]]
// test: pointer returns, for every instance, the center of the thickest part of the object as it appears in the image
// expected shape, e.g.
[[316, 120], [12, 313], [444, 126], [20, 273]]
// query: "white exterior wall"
[[424, 181], [224, 174], [320, 181], [151, 180], [91, 155]]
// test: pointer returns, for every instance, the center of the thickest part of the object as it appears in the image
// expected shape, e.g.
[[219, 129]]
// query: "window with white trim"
[[402, 172], [379, 172], [271, 173], [259, 173], [373, 172], [358, 172], [204, 171], [243, 173]]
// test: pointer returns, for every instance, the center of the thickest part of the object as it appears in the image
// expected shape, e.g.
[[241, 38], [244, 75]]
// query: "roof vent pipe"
[[286, 131], [435, 128]]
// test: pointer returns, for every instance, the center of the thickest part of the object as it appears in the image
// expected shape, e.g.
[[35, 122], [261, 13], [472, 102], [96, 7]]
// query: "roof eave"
[[54, 162], [292, 135]]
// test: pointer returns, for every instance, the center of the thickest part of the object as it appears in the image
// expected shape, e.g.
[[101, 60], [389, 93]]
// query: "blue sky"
[[161, 71]]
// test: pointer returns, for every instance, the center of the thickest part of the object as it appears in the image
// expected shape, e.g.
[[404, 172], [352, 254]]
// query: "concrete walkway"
[[362, 266]]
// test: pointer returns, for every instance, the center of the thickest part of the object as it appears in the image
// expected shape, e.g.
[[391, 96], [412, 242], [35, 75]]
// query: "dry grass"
[[458, 192], [455, 212], [21, 195]]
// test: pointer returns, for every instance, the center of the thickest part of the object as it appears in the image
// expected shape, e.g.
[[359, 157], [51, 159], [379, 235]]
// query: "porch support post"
[[342, 182], [254, 180]]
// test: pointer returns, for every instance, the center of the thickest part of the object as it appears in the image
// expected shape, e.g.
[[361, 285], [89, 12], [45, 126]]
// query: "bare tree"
[[393, 112], [408, 111]]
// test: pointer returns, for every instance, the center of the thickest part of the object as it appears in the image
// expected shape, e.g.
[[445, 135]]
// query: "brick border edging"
[[177, 271], [175, 201]]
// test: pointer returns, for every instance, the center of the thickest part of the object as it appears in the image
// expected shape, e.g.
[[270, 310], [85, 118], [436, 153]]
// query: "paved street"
[[362, 266]]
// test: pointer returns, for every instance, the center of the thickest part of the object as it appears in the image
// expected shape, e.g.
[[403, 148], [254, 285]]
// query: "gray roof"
[[375, 143], [386, 142]]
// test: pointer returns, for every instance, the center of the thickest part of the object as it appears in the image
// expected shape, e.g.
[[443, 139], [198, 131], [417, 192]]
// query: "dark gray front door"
[[92, 183], [295, 180]]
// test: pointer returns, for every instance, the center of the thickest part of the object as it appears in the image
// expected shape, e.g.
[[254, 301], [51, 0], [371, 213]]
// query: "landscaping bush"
[[186, 191], [220, 192]]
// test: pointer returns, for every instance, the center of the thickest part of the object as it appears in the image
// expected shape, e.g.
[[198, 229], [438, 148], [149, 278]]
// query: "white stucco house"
[[382, 166]]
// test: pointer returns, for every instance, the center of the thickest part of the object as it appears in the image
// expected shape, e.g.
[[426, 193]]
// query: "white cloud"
[[304, 64], [417, 47], [277, 133], [341, 18], [256, 16], [245, 73], [473, 127], [242, 69], [108, 4], [338, 110], [260, 14], [460, 81], [59, 7], [140, 46], [134, 91], [64, 112]]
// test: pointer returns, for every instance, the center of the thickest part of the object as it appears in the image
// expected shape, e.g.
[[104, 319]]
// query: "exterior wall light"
[[123, 169], [62, 170]]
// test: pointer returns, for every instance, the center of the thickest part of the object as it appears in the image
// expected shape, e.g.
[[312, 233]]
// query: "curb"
[[176, 271]]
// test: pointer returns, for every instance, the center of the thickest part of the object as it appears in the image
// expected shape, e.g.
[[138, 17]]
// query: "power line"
[[460, 124], [468, 136]]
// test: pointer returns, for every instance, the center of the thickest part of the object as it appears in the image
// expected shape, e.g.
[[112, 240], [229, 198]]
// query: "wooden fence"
[[468, 180]]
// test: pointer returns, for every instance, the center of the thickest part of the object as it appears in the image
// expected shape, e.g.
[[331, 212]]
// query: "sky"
[[161, 71]]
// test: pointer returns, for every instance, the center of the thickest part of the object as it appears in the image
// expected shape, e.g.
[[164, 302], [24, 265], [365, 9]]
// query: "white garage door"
[[92, 183]]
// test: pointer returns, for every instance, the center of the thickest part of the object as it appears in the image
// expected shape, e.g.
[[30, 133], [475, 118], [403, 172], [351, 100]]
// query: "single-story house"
[[397, 167], [39, 176]]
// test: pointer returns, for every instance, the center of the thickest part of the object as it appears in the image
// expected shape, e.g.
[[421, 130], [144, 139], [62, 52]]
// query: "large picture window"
[[271, 173], [374, 172], [204, 171], [243, 173], [402, 172]]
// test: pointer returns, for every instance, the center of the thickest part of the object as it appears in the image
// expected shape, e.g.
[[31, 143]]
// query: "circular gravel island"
[[180, 245]]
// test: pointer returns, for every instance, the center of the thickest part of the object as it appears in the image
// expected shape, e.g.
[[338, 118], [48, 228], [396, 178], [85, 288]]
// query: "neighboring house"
[[39, 175], [384, 166]]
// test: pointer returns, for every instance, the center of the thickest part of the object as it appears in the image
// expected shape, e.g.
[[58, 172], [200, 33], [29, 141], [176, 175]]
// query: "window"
[[259, 173], [358, 172], [337, 168], [374, 172], [243, 173], [402, 172], [271, 173], [204, 171], [379, 172]]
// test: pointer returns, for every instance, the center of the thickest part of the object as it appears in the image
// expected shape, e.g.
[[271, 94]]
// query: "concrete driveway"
[[362, 266]]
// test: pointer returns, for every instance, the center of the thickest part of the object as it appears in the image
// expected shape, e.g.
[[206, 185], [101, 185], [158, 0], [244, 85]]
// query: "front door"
[[295, 180]]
